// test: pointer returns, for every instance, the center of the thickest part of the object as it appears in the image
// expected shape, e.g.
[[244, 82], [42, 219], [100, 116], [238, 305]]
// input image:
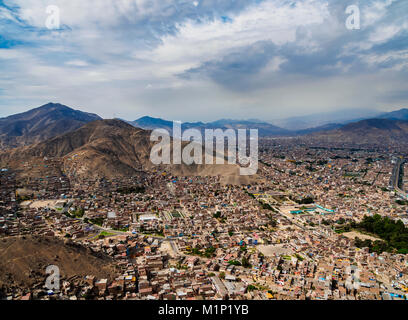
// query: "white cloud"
[[77, 63], [375, 11], [128, 53], [384, 33], [197, 42]]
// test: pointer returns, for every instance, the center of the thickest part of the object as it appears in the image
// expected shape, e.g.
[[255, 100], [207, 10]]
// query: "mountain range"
[[401, 114], [325, 119], [53, 119], [264, 128], [41, 123], [84, 145], [386, 132], [104, 149]]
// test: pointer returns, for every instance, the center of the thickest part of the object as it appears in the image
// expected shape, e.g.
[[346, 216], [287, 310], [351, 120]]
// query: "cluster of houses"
[[196, 238]]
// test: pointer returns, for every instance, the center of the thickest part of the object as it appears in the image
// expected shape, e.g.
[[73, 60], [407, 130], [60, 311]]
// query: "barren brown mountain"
[[40, 124], [110, 149], [23, 260], [368, 132]]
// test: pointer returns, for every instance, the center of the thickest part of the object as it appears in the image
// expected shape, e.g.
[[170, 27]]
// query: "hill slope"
[[24, 260], [40, 124], [401, 114], [265, 129], [109, 149], [368, 132], [321, 119]]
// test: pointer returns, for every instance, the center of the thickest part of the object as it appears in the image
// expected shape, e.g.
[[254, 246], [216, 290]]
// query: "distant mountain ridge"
[[342, 117], [267, 129], [54, 119], [107, 149], [367, 132], [401, 114], [41, 123], [264, 128]]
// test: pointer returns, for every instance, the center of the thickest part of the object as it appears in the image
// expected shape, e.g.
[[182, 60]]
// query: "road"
[[396, 171]]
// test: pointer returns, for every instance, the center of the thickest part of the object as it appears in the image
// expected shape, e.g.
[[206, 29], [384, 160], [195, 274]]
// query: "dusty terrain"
[[354, 234], [275, 249], [106, 148], [23, 260]]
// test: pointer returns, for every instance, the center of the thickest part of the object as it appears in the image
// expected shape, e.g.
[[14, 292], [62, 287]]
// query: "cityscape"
[[268, 160], [318, 221]]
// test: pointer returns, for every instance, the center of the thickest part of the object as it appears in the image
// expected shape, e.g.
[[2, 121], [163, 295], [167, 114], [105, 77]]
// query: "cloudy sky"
[[203, 59]]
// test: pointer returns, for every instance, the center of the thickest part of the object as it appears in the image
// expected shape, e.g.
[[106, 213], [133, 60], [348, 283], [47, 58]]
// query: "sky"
[[202, 60]]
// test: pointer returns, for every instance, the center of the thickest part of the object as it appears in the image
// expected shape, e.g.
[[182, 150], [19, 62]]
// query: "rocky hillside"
[[109, 149], [40, 124]]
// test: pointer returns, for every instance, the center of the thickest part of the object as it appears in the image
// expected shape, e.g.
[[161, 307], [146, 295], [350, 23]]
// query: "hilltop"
[[264, 128], [369, 132], [24, 260], [40, 124], [109, 149]]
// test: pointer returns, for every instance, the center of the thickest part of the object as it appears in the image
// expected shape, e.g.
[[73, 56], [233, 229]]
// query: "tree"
[[393, 233], [217, 215], [245, 263]]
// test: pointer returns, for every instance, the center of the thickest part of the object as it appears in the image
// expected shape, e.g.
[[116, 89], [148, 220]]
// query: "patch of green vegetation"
[[245, 263], [322, 162], [207, 253], [266, 206], [251, 288], [257, 286], [79, 213], [299, 257], [153, 234], [176, 214], [307, 200], [181, 267], [326, 222], [122, 229], [20, 199], [217, 215], [250, 194], [106, 234], [97, 221], [273, 222], [234, 263], [393, 233], [129, 190], [310, 168]]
